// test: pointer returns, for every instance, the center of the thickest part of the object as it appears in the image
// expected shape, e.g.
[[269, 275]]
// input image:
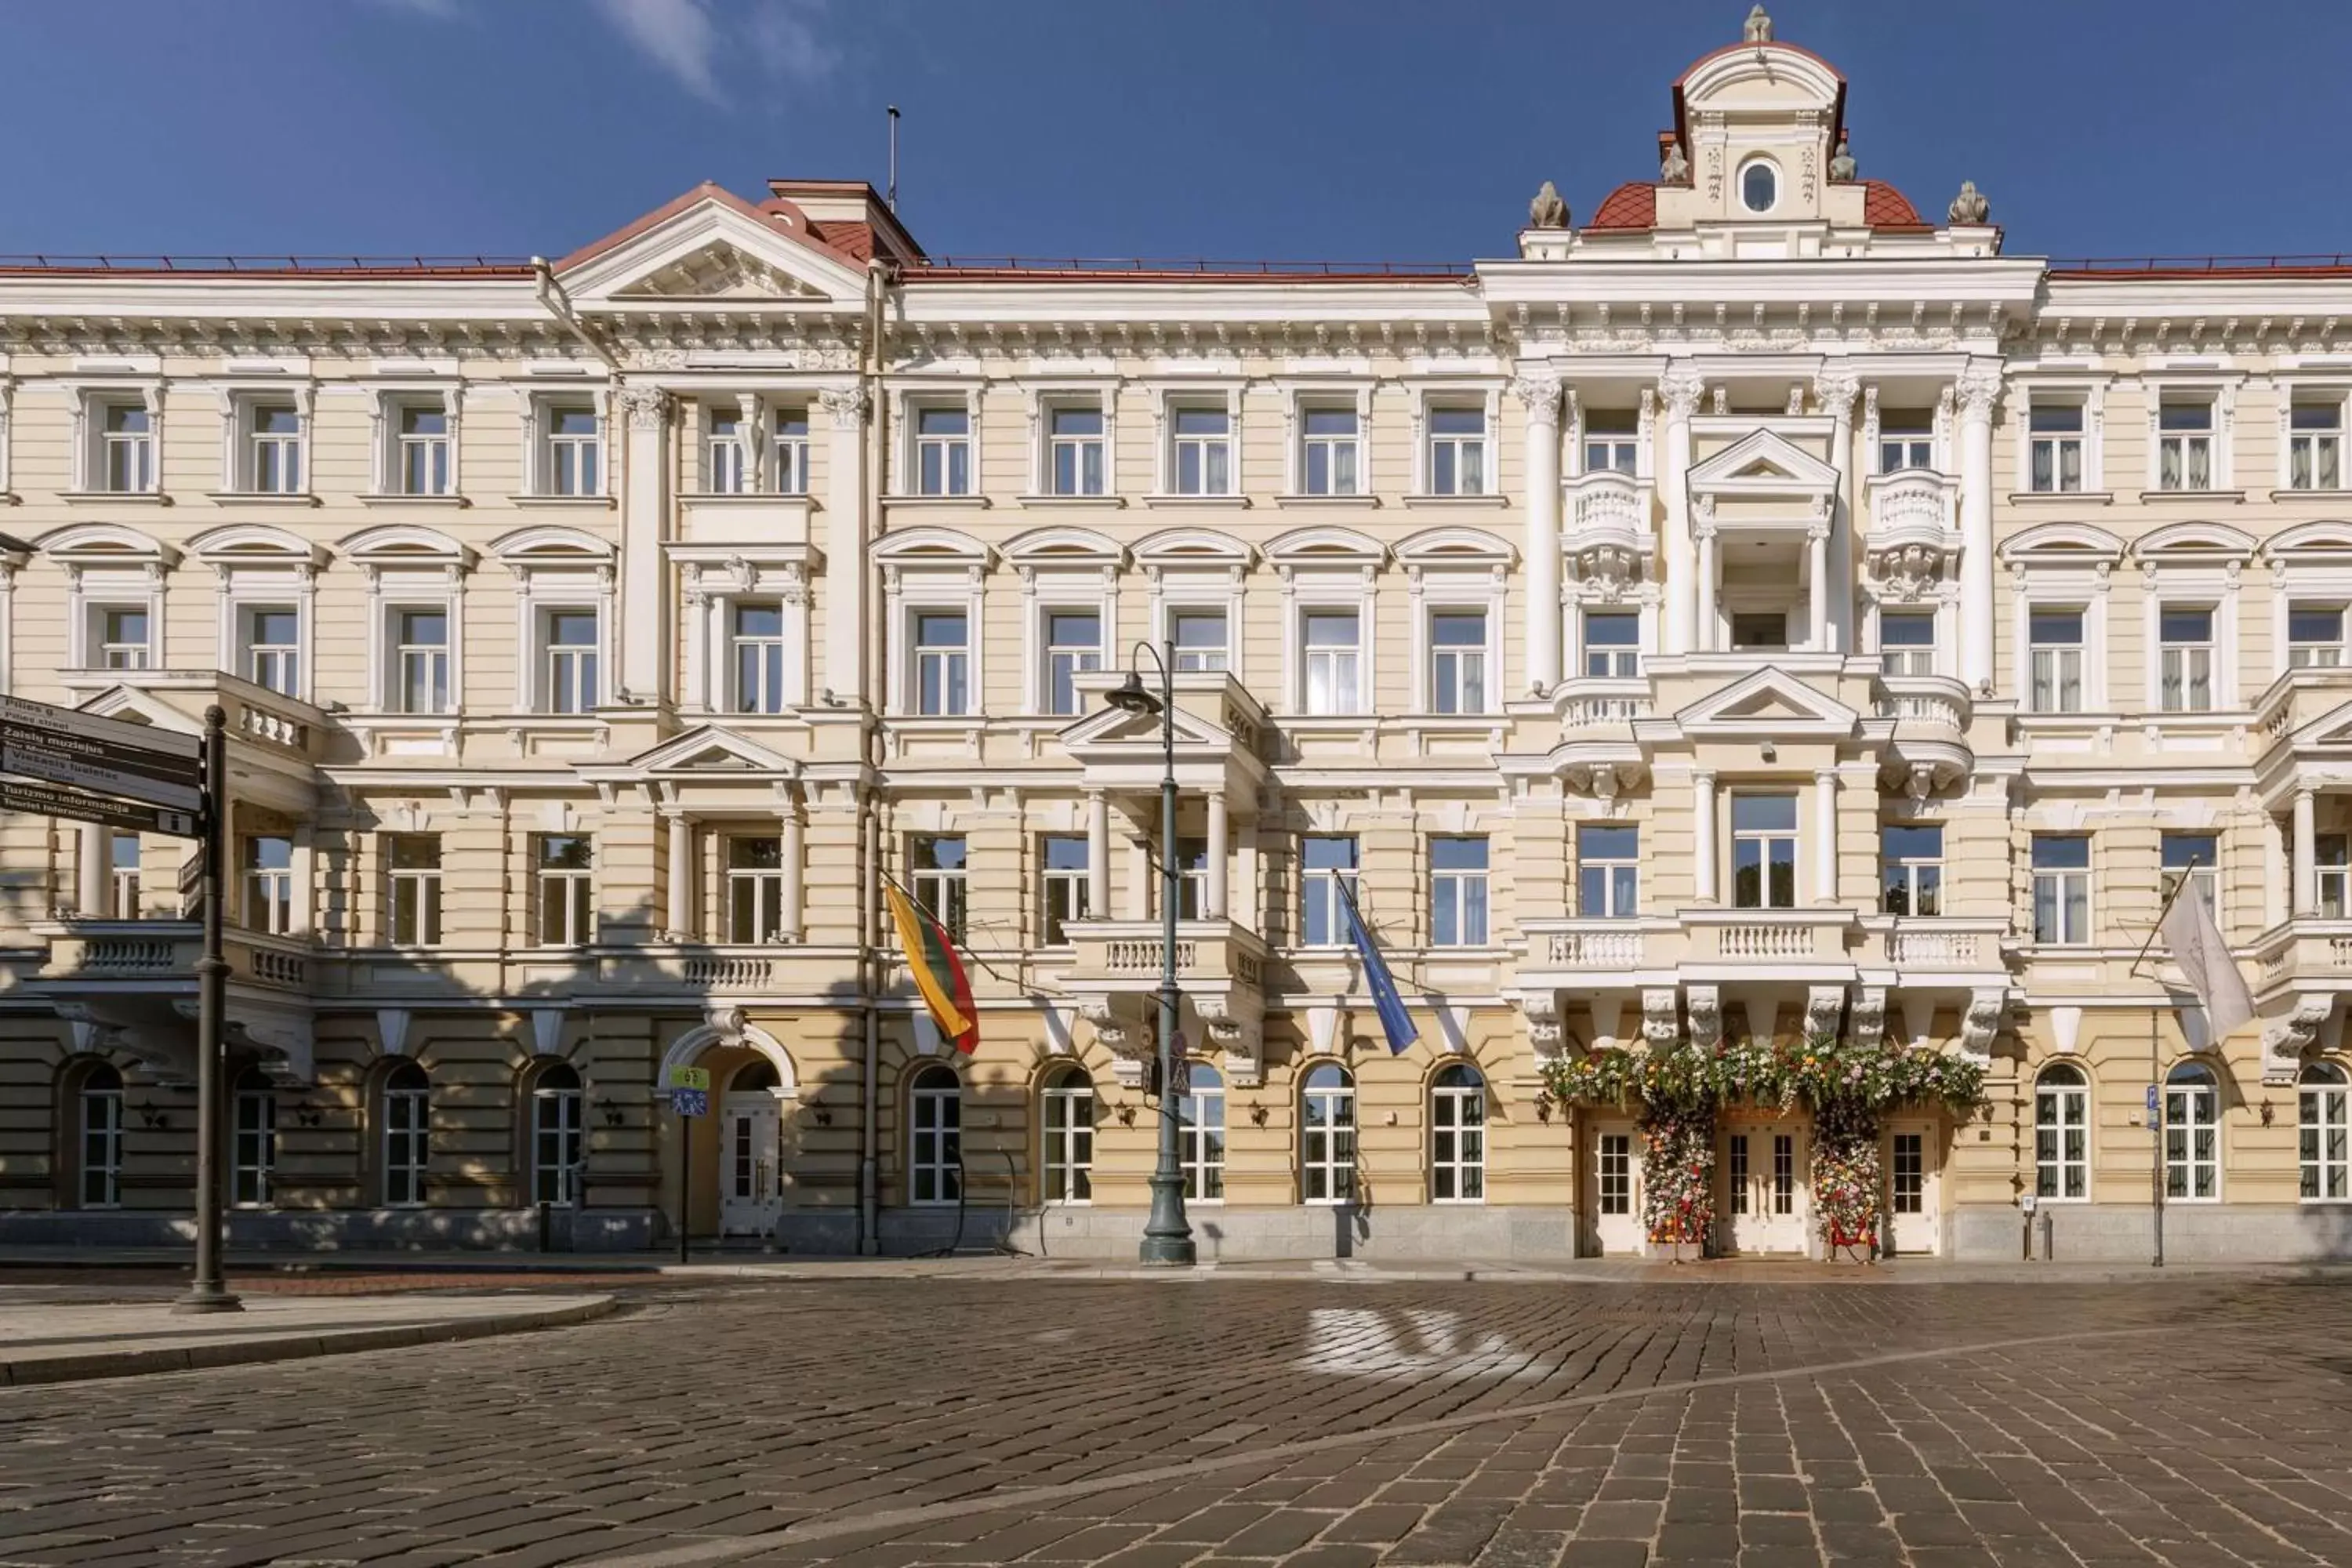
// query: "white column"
[[1825, 837], [1978, 387], [1817, 608], [1703, 837], [681, 878], [2275, 871], [1680, 388], [93, 873], [795, 852], [1097, 856], [305, 893], [1710, 574], [1217, 852], [1835, 388], [2307, 856], [1540, 394], [844, 547], [644, 509]]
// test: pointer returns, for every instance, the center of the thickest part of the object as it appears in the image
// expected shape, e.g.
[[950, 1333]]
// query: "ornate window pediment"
[[1763, 466], [1771, 705]]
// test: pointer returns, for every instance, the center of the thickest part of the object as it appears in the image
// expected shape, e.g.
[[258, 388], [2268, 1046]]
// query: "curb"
[[297, 1346]]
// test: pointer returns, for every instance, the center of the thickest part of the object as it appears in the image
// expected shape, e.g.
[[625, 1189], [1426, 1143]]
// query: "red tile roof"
[[1884, 206], [1634, 204], [854, 240]]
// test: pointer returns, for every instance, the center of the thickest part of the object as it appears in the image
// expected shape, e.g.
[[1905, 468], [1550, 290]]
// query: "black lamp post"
[[1167, 1236]]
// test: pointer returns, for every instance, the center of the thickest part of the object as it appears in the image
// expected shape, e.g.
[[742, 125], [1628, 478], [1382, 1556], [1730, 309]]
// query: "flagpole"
[[2156, 1063]]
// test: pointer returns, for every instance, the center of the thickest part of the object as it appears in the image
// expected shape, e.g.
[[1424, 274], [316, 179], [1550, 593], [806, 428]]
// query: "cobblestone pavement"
[[1316, 1425]]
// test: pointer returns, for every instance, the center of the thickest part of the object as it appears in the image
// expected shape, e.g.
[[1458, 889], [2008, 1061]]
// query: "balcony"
[[2299, 698], [2304, 949], [1919, 948], [696, 971], [1936, 702], [1803, 943], [1124, 956], [135, 981], [1912, 506], [1592, 953], [1592, 703], [276, 725], [1608, 508]]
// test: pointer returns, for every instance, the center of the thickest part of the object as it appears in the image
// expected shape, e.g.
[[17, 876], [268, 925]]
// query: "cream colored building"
[[1755, 610]]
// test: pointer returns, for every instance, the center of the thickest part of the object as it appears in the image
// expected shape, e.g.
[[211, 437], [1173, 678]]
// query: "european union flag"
[[1395, 1022]]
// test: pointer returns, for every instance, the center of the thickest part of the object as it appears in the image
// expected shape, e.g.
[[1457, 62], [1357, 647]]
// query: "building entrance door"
[[751, 1189], [1614, 1192], [1766, 1193], [1914, 1220]]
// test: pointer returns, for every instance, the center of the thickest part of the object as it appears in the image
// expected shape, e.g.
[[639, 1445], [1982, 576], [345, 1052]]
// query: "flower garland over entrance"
[[1844, 1084]]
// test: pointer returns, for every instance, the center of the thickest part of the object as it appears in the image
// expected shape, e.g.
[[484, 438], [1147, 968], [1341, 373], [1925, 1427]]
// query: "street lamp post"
[[1167, 1236]]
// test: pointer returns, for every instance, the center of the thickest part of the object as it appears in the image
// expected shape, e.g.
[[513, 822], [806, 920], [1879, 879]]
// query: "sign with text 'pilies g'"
[[134, 762]]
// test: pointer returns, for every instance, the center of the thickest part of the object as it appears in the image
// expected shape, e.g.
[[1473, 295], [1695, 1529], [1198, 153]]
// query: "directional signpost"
[[689, 1096], [136, 761]]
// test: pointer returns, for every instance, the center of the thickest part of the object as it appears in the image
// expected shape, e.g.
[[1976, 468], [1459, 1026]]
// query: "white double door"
[[750, 1177], [1766, 1187]]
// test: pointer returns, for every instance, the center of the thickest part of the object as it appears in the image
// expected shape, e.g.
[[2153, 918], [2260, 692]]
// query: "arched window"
[[255, 1148], [2192, 1133], [1069, 1154], [557, 1145], [1457, 1144], [98, 1109], [1759, 186], [407, 1134], [1327, 1136], [2326, 1140], [935, 1153], [1201, 1133], [756, 1074], [2062, 1134]]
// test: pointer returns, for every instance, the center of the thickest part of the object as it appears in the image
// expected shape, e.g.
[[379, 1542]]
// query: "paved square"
[[1153, 1424]]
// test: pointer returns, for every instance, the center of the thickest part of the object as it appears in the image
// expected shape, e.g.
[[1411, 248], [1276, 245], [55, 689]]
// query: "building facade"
[[1754, 611]]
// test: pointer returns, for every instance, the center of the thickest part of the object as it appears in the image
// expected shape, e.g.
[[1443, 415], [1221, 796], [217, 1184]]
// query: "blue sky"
[[1297, 129]]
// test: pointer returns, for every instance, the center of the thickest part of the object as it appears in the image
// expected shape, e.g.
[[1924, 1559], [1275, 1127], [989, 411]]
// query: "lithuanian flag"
[[938, 974]]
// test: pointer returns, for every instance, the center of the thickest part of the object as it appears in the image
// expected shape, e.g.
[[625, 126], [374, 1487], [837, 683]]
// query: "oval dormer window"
[[1759, 186]]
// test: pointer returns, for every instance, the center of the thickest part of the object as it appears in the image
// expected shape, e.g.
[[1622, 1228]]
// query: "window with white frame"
[[1911, 869], [253, 1143], [2193, 1134], [935, 1140], [99, 1103], [2314, 443], [1612, 645], [564, 865], [2324, 1145], [273, 454], [1201, 1133], [1323, 860], [420, 659], [942, 663], [1612, 441], [2055, 448], [1076, 458], [122, 877], [2195, 858], [569, 640], [1457, 892], [2184, 444], [1191, 866], [126, 447], [413, 880], [1457, 661], [755, 641], [790, 451], [1063, 891], [726, 449], [123, 637], [2054, 642], [2062, 1134], [1073, 646], [272, 639], [936, 865], [1906, 642], [1457, 449], [2185, 658], [942, 451], [1327, 1136], [573, 450], [755, 888], [1607, 870], [269, 883], [557, 1135], [2314, 635], [2062, 889], [1201, 639], [1331, 639], [421, 449], [407, 1134], [1763, 851], [1070, 1141], [1203, 449], [1457, 1136], [1330, 450], [1907, 439]]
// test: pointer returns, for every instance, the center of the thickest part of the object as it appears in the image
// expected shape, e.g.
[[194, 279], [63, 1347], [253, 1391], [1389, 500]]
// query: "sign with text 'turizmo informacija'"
[[134, 762]]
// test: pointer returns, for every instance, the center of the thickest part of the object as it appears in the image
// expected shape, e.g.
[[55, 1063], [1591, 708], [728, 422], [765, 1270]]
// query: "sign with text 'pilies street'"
[[135, 762], [46, 800]]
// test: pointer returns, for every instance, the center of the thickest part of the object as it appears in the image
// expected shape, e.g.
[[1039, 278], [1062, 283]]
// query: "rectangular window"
[[1201, 640], [2196, 857], [935, 868], [420, 660], [1063, 859], [755, 635], [1908, 1186], [1607, 870], [755, 890], [2062, 889], [1328, 460], [942, 452], [269, 884], [1457, 661], [1457, 451], [1907, 439], [129, 449], [2184, 445], [726, 454], [572, 452], [2314, 445], [1612, 645], [1906, 643], [1073, 646], [407, 1137], [1192, 879], [2056, 647], [423, 450], [1764, 630], [942, 663], [567, 913], [273, 649], [2314, 635], [1075, 451], [1911, 871], [2185, 658], [1457, 892], [253, 1146], [123, 876], [274, 463], [1204, 452], [1332, 653], [791, 451], [2332, 854], [412, 870], [1763, 851], [1201, 1135], [1323, 859], [2055, 448], [571, 668], [2324, 1134], [122, 639], [1611, 441], [1616, 1173]]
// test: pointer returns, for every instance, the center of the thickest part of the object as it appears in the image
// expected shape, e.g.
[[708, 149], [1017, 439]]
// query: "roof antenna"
[[890, 197]]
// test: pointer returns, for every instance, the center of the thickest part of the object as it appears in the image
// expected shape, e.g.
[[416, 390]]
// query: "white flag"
[[2196, 946]]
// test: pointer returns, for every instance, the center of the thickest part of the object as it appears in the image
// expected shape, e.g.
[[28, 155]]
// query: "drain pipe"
[[869, 900], [558, 304]]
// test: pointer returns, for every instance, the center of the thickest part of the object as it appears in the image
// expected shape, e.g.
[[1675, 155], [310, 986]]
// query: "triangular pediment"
[[2332, 727], [1763, 463], [711, 245], [710, 750], [720, 271], [1116, 727], [134, 707], [1771, 703]]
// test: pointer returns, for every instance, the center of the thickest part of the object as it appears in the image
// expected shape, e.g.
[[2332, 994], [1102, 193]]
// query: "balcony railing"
[[1768, 936], [2300, 696], [1936, 701], [267, 718], [1607, 506], [1910, 506], [1587, 702], [1126, 955], [168, 950], [2304, 947]]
